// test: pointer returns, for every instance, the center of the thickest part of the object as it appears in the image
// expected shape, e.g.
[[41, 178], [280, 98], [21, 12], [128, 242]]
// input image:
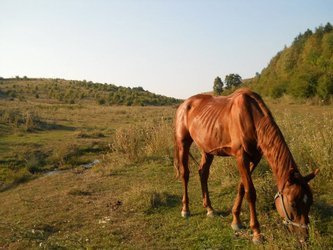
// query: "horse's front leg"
[[206, 161], [236, 209], [250, 194]]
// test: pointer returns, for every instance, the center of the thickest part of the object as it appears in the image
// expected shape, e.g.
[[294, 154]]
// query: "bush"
[[278, 91], [101, 101]]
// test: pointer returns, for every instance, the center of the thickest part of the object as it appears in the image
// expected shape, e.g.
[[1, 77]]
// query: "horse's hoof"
[[211, 214], [236, 227], [258, 239], [185, 214]]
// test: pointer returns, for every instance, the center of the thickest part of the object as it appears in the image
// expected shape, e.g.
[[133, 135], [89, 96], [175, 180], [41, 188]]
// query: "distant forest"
[[303, 70], [72, 92]]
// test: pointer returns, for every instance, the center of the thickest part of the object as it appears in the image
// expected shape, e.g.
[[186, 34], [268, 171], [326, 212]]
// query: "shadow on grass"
[[47, 126], [20, 180], [162, 200], [217, 213], [324, 213]]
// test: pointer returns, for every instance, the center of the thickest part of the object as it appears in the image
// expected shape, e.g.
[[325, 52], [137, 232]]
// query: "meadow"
[[131, 199]]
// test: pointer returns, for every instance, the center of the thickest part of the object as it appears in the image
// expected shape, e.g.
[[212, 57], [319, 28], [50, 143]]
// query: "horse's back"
[[220, 125]]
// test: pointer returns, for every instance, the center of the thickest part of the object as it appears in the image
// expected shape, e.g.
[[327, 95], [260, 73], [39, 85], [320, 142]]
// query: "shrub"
[[278, 91], [325, 87], [35, 161], [101, 101]]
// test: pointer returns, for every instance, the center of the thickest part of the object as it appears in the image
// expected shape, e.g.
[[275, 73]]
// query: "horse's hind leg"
[[206, 161], [183, 152]]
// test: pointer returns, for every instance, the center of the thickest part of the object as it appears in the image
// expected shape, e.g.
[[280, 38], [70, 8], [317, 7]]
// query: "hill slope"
[[71, 91], [305, 69]]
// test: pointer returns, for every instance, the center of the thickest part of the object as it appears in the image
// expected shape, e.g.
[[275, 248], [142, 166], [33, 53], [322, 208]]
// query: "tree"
[[218, 86], [325, 86], [328, 28], [232, 80]]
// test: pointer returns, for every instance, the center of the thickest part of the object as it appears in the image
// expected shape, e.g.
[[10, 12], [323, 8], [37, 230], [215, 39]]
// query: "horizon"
[[174, 48]]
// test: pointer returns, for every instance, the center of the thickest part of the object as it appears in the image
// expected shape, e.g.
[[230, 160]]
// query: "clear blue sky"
[[174, 48]]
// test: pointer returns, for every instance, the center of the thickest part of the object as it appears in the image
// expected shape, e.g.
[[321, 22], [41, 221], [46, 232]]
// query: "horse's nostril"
[[303, 239]]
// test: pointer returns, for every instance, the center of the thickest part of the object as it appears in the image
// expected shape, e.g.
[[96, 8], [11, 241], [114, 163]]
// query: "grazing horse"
[[242, 126]]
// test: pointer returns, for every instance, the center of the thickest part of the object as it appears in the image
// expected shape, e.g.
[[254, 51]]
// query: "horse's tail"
[[176, 157]]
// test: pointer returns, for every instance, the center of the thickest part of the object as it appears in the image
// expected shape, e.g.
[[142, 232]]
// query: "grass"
[[131, 199]]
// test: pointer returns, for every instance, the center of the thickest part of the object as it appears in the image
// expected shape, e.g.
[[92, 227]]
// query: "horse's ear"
[[294, 176], [309, 177]]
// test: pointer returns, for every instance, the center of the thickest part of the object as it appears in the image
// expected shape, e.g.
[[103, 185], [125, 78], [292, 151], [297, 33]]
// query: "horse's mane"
[[272, 142]]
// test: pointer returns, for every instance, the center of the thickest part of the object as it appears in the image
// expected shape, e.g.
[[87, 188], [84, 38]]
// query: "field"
[[130, 199]]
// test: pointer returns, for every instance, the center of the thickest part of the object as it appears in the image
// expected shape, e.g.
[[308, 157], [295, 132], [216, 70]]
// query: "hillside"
[[302, 70], [71, 91]]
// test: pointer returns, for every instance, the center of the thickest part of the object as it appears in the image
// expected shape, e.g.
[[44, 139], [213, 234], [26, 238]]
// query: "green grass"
[[131, 199]]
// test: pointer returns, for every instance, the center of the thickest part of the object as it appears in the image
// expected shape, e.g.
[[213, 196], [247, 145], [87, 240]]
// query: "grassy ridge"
[[131, 198], [72, 91]]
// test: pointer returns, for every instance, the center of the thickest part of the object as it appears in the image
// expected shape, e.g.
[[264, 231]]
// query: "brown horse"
[[242, 126]]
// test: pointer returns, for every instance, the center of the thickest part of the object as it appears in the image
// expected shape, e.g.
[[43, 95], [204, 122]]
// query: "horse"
[[242, 126]]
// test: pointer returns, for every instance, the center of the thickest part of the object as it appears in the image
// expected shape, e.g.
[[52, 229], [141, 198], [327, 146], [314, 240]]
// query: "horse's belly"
[[213, 142], [224, 151]]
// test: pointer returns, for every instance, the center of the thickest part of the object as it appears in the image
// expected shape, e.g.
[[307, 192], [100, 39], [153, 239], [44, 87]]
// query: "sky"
[[170, 47]]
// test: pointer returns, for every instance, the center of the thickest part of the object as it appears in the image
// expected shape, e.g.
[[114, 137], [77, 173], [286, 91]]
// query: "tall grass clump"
[[311, 141], [141, 141], [130, 142], [66, 155], [160, 141], [16, 119], [11, 177]]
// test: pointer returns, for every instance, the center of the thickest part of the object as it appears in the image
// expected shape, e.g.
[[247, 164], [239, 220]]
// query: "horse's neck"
[[277, 153], [281, 167]]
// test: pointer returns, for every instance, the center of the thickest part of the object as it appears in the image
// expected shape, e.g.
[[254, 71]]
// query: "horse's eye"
[[305, 198], [293, 204]]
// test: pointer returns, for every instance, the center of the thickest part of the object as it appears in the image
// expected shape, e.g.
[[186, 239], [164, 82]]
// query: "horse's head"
[[293, 203]]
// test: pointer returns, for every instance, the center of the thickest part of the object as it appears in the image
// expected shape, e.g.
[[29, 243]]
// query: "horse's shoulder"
[[242, 93], [243, 96]]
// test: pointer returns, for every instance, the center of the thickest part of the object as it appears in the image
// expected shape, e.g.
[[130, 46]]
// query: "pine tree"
[[218, 86]]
